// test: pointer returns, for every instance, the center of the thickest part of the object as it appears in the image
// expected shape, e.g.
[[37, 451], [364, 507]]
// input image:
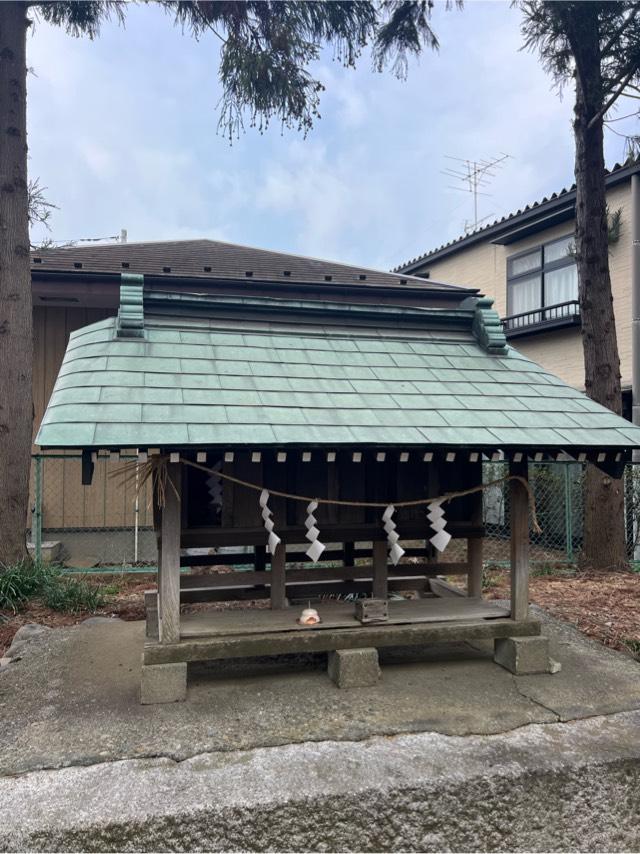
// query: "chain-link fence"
[[109, 523], [106, 524], [558, 489]]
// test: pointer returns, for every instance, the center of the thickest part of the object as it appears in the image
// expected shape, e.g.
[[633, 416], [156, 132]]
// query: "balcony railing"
[[541, 319]]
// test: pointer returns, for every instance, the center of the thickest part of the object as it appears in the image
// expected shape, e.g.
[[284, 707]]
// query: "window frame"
[[541, 270]]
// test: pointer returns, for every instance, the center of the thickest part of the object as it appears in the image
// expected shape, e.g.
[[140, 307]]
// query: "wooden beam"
[[299, 591], [209, 537], [169, 564], [380, 570], [278, 578], [519, 506], [440, 587], [249, 578], [313, 640]]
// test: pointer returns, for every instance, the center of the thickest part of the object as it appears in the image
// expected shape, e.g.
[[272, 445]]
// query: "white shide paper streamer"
[[437, 521], [316, 548], [395, 550], [274, 539]]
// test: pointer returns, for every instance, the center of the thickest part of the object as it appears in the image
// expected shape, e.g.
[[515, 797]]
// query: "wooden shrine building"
[[235, 400]]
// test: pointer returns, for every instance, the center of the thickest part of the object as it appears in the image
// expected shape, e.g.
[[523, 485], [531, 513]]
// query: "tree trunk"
[[16, 339], [604, 535]]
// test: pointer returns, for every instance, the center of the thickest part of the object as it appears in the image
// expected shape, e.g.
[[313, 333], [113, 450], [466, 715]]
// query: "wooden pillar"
[[519, 511], [474, 551], [278, 578], [169, 559], [380, 570]]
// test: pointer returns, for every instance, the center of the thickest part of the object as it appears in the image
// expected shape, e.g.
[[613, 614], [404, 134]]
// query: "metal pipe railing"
[[544, 314]]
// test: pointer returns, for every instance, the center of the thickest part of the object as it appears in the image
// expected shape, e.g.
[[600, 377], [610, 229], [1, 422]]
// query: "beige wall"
[[484, 266]]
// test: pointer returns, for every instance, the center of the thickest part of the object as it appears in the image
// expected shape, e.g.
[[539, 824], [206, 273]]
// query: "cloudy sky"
[[122, 132]]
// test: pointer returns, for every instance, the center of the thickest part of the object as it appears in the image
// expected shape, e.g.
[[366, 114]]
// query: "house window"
[[541, 278]]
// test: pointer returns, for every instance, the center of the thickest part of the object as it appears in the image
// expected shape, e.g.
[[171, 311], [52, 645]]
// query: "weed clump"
[[27, 579]]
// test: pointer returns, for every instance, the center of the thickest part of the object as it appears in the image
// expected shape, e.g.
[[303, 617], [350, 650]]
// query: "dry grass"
[[603, 605]]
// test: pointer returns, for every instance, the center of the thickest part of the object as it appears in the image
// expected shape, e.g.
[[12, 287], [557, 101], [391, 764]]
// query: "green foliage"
[[552, 569], [110, 589], [563, 33], [614, 224], [267, 46], [405, 31], [489, 581], [633, 645], [22, 581], [557, 30], [32, 580], [72, 595], [266, 50], [79, 19]]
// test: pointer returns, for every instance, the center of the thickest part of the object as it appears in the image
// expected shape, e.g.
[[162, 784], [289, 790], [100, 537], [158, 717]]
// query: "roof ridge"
[[617, 167]]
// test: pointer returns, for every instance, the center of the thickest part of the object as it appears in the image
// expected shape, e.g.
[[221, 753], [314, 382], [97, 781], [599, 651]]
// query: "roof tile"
[[262, 391]]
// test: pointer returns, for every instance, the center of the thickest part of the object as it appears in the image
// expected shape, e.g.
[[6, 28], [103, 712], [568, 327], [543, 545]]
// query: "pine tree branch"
[[614, 38], [608, 104]]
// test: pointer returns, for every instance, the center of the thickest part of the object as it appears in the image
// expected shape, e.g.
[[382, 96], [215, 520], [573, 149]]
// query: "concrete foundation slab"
[[73, 698], [447, 752], [354, 668], [163, 683], [523, 656], [564, 787]]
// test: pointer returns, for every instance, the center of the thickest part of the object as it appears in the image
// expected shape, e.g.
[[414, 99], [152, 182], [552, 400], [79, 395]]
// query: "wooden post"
[[278, 578], [169, 560], [519, 501], [380, 570], [474, 551]]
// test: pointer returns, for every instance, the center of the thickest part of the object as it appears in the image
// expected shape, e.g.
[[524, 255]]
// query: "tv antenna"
[[474, 176]]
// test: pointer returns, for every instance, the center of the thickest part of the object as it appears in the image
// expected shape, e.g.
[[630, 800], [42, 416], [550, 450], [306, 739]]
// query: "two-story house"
[[525, 262]]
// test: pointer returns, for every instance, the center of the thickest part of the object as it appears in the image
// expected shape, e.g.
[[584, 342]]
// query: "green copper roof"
[[258, 380]]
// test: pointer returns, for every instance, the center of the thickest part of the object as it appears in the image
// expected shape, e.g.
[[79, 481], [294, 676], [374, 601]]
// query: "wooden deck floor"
[[335, 615]]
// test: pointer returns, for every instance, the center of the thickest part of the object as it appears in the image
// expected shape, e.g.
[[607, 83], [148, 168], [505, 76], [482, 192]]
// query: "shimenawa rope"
[[156, 469]]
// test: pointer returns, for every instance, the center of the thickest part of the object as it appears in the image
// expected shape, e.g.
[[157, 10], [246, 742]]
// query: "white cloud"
[[123, 133]]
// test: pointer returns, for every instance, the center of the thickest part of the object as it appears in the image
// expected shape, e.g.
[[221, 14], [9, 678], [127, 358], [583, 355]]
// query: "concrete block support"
[[354, 668], [523, 655], [163, 683]]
